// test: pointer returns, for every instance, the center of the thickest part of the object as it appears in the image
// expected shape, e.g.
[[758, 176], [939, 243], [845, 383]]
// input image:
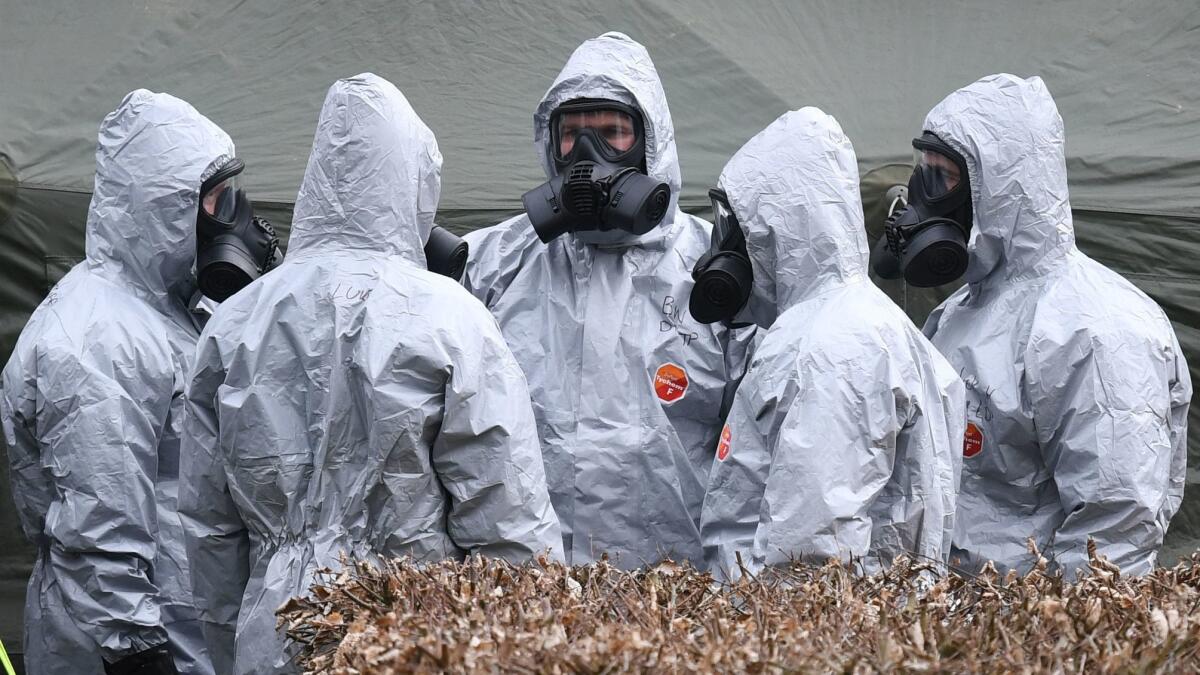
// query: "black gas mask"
[[233, 246], [926, 241], [446, 253], [599, 151], [723, 276]]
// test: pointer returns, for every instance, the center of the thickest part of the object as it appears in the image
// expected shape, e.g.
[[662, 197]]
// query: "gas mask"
[[723, 275], [446, 253], [233, 246], [599, 152], [926, 241]]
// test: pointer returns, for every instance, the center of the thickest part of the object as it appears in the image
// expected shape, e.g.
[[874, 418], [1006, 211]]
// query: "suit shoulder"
[[438, 298], [98, 310], [858, 322], [1089, 298], [514, 232], [694, 233], [99, 326]]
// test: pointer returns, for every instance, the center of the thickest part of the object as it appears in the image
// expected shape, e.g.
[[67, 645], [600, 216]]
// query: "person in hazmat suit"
[[843, 440], [1077, 391], [92, 409], [590, 287], [354, 402]]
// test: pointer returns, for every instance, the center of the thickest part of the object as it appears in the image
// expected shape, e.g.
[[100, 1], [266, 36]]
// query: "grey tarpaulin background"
[[1126, 76]]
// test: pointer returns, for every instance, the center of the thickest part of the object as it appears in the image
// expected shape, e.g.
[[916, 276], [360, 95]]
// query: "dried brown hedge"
[[486, 616]]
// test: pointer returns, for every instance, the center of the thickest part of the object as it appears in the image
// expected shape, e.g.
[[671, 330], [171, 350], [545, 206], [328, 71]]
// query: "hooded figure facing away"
[[1077, 391], [92, 409], [352, 401], [628, 389], [844, 436]]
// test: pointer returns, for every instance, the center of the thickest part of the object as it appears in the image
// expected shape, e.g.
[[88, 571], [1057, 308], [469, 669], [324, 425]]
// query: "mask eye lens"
[[566, 139], [725, 223], [618, 132], [939, 174], [220, 201], [616, 128]]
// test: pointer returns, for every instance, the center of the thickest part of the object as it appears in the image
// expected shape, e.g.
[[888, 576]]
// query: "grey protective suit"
[[845, 435], [352, 401], [1077, 392], [92, 405], [629, 390]]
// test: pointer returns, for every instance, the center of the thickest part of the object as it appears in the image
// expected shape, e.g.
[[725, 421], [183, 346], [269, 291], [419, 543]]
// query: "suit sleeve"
[[487, 454], [732, 504], [495, 258], [32, 493], [1181, 399], [740, 344], [1103, 410], [97, 430], [834, 455], [217, 541]]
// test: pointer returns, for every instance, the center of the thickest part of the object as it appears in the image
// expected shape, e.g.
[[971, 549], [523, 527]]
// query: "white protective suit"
[[92, 405], [844, 438], [1077, 391], [628, 389], [352, 401]]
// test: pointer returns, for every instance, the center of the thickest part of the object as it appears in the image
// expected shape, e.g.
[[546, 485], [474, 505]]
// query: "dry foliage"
[[486, 616]]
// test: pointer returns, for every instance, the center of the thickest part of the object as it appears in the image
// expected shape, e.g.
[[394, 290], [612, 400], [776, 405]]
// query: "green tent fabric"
[[1126, 76]]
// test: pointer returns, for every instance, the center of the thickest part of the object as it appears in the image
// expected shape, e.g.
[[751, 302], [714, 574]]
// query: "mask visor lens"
[[220, 201], [615, 128], [939, 174], [726, 230]]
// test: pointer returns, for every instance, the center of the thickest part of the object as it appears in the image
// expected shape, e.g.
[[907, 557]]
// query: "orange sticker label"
[[972, 441], [724, 445], [670, 383]]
